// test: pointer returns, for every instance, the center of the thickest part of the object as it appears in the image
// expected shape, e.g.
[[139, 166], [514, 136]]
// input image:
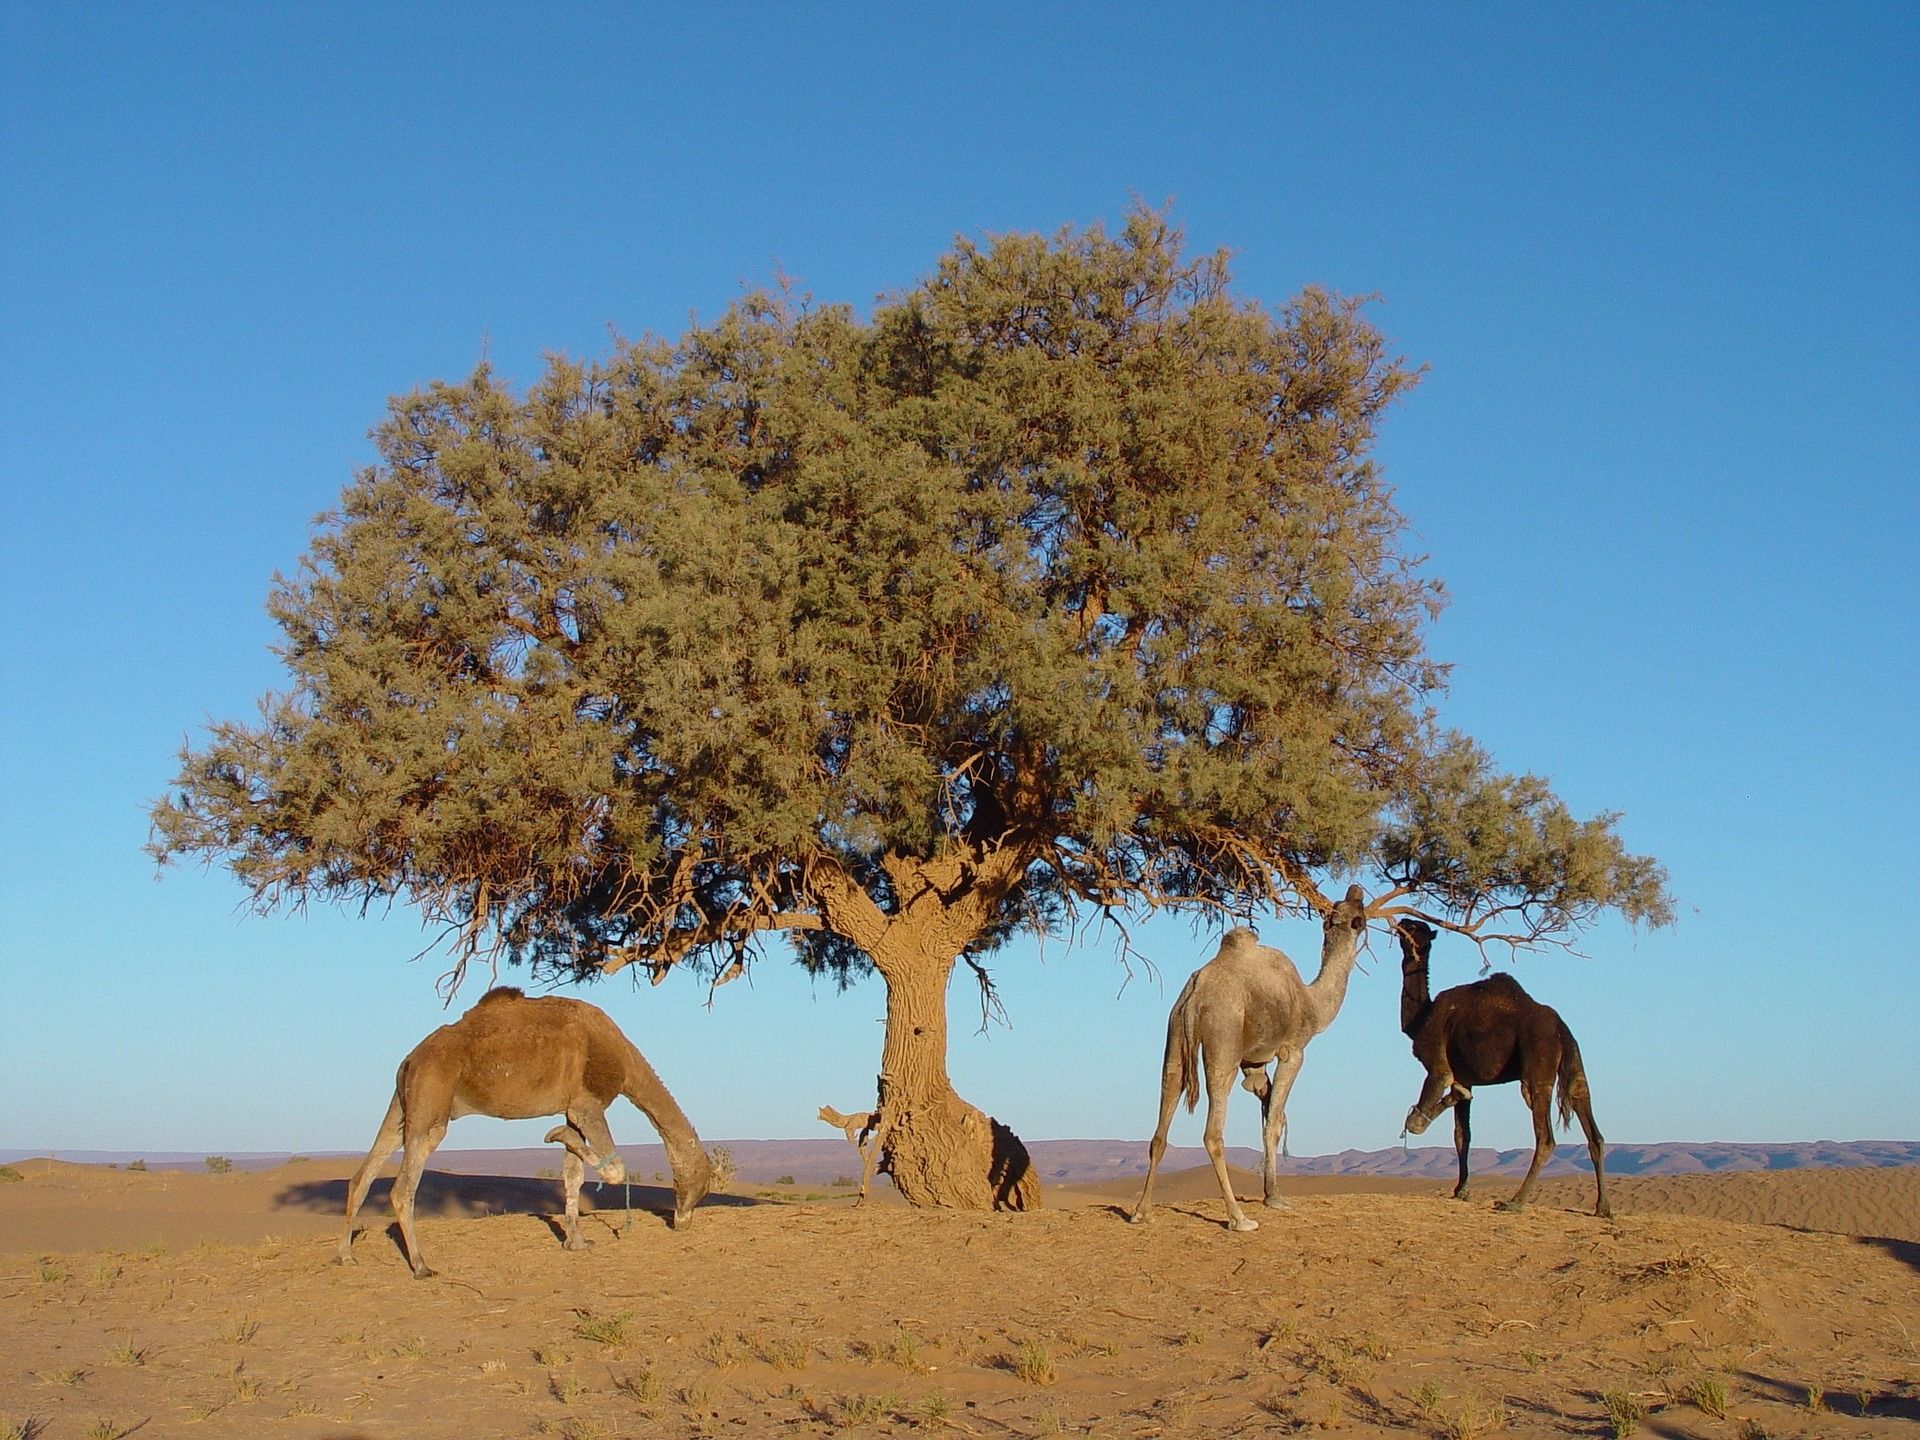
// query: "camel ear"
[[1356, 896]]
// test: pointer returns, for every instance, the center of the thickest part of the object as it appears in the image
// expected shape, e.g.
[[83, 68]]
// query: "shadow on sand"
[[471, 1196]]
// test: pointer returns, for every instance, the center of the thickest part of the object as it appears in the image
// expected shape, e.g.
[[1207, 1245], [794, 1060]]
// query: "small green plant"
[[1816, 1399], [1426, 1400], [1624, 1412], [240, 1330], [52, 1272], [720, 1349], [104, 1430], [13, 1429], [566, 1388], [1033, 1364], [863, 1409], [785, 1180], [218, 1164], [65, 1375], [1709, 1395], [1189, 1338], [127, 1353], [552, 1355], [9, 1175], [697, 1396], [136, 1165], [302, 1408], [613, 1331], [414, 1349]]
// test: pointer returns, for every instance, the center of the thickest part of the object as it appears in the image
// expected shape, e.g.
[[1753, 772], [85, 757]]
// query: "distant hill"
[[1077, 1162]]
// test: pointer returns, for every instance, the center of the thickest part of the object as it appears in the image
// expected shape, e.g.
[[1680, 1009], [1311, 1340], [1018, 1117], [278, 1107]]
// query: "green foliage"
[[1066, 569]]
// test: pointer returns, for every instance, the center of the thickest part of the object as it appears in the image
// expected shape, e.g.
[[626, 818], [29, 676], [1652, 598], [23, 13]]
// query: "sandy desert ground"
[[161, 1304]]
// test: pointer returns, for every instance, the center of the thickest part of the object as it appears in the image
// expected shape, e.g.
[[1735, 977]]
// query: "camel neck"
[[1329, 988], [1416, 997]]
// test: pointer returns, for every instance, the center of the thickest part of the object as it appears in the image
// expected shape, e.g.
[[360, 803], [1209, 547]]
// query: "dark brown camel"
[[1492, 1033]]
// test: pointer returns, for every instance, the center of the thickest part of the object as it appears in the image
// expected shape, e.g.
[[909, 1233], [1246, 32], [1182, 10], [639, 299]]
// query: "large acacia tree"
[[1063, 581]]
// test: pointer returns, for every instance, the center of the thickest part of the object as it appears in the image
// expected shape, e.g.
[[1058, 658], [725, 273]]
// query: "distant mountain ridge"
[[1079, 1162]]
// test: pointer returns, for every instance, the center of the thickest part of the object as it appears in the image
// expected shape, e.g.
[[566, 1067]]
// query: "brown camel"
[[515, 1058], [1492, 1033], [1243, 1008]]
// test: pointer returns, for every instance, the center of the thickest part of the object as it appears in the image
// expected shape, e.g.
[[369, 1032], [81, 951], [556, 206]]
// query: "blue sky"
[[1663, 262]]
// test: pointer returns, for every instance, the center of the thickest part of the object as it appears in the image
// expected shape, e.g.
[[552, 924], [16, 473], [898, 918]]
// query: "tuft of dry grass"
[[643, 1386], [1033, 1363]]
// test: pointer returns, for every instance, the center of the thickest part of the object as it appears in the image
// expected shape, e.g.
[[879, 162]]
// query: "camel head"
[[1347, 921], [1416, 941], [692, 1179]]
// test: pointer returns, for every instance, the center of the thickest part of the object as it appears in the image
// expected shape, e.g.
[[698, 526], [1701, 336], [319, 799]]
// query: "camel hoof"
[[1603, 1212], [1139, 1217], [1460, 1195], [345, 1260], [1276, 1202], [424, 1273], [1243, 1224], [1509, 1207]]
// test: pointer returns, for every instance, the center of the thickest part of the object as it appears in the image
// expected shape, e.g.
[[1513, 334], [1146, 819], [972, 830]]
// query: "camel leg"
[[1219, 1087], [384, 1144], [1436, 1095], [1273, 1116], [1462, 1141], [1596, 1148], [573, 1170], [1539, 1100], [420, 1144], [589, 1117], [1169, 1102]]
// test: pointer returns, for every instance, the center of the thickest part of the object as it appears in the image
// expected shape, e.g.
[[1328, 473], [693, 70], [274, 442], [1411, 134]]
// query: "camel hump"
[[502, 992], [1240, 937]]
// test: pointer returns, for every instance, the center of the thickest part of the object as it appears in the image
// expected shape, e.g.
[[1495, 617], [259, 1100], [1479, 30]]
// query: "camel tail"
[[1182, 1064], [1571, 1085]]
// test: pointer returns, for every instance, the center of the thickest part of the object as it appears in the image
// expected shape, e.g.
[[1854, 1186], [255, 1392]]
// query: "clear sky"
[[1663, 262]]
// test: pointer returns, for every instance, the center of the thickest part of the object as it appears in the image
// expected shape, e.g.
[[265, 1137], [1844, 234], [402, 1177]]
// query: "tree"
[[1064, 580]]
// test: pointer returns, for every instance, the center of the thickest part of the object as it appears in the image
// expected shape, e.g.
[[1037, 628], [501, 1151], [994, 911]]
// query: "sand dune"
[[203, 1304]]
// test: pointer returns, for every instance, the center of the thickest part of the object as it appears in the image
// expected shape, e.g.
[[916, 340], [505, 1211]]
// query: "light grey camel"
[[1242, 1009], [1492, 1033], [515, 1057]]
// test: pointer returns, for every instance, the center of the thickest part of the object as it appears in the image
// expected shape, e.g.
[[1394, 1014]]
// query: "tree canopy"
[[1065, 579]]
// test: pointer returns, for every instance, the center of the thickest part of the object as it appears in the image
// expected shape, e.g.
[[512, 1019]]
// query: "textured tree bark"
[[940, 1150]]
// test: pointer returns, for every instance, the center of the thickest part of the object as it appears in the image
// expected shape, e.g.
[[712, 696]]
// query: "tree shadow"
[[1861, 1403], [443, 1194], [1905, 1251]]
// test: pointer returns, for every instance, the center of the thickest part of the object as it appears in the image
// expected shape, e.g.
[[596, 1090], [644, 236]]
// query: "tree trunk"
[[940, 1150]]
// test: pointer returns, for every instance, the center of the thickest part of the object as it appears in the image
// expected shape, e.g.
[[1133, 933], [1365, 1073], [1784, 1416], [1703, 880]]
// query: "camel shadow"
[[443, 1194]]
